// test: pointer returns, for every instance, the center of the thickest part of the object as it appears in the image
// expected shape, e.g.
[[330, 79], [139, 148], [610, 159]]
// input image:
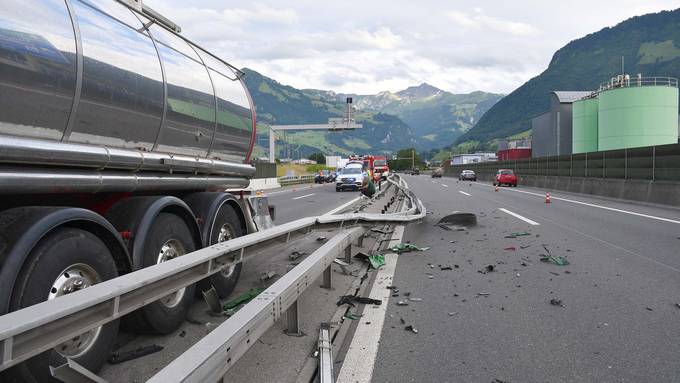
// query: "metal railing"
[[653, 163], [626, 82], [294, 180], [30, 331]]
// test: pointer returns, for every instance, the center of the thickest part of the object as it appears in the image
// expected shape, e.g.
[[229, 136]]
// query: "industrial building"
[[463, 159], [514, 149], [623, 113], [627, 113], [552, 131]]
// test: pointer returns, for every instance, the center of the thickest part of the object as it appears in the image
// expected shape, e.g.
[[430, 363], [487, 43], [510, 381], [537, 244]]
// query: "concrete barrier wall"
[[263, 183], [659, 192]]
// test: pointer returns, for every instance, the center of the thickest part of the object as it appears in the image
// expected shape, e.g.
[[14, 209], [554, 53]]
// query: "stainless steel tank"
[[94, 78]]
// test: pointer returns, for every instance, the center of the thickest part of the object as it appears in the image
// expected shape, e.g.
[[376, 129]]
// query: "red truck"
[[378, 166]]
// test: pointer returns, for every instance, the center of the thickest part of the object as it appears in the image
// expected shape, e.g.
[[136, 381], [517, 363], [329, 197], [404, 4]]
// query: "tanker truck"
[[118, 140]]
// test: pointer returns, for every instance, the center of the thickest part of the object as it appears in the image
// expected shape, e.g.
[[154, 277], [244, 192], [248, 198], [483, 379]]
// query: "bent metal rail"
[[30, 331]]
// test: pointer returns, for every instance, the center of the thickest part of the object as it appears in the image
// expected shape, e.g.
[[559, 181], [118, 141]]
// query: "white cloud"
[[371, 46]]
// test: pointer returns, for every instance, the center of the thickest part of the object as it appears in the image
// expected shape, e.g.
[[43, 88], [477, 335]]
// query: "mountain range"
[[421, 116], [649, 44]]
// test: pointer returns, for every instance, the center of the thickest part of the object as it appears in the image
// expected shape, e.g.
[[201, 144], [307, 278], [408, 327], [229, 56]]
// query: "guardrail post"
[[327, 283], [360, 241], [292, 316], [348, 254], [653, 163], [625, 164]]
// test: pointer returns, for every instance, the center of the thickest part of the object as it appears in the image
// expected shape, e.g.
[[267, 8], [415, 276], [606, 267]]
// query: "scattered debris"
[[459, 219], [352, 316], [553, 273], [402, 303], [212, 299], [382, 231], [243, 298], [402, 321], [443, 226], [376, 260], [267, 275], [411, 329], [407, 247], [556, 302], [453, 313], [343, 266], [296, 254], [393, 288], [182, 334], [649, 309], [484, 294], [559, 261], [352, 299], [488, 269], [415, 299], [430, 277], [443, 268], [320, 238], [511, 248], [524, 247], [120, 357], [515, 235]]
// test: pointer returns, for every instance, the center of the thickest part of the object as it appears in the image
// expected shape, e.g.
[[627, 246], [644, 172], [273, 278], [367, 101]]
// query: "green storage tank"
[[637, 116], [584, 125]]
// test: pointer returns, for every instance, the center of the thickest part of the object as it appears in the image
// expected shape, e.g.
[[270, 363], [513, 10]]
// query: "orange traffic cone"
[[496, 188], [547, 197]]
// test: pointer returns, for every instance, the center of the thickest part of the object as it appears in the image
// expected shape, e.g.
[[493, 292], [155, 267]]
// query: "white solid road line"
[[525, 219], [304, 196], [444, 185], [462, 192], [601, 207], [363, 350]]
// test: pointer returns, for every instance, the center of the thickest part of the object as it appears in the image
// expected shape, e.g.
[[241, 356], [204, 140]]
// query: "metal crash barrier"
[[28, 332]]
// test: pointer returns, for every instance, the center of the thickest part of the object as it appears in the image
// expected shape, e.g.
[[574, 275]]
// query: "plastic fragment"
[[402, 303], [407, 247], [556, 302], [320, 238], [296, 254], [411, 329], [559, 261], [445, 268], [415, 299], [352, 299], [352, 316], [243, 298], [267, 275], [515, 235], [376, 260], [511, 248]]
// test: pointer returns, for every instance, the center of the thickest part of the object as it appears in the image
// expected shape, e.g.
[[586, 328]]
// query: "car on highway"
[[352, 177], [467, 175], [437, 173], [332, 176], [321, 177], [505, 177]]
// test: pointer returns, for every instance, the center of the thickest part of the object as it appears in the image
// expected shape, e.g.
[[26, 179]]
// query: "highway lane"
[[295, 202], [618, 318]]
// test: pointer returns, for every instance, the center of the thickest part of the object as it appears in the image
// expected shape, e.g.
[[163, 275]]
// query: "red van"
[[505, 176]]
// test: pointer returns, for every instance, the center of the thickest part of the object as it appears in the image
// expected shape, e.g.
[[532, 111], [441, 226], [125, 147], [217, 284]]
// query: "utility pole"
[[413, 158]]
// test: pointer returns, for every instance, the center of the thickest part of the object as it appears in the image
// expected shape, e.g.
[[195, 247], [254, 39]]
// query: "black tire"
[[65, 249], [337, 189], [158, 317], [227, 219]]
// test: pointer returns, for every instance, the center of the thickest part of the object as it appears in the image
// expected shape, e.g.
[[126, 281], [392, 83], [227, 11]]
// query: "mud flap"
[[262, 213]]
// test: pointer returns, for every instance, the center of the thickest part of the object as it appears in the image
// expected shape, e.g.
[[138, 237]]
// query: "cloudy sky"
[[375, 45]]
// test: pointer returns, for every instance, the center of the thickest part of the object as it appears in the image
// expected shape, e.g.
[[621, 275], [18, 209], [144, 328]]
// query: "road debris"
[[352, 299], [296, 254], [511, 248], [458, 219], [411, 329], [402, 303], [376, 260], [352, 316], [556, 302], [519, 234], [487, 269], [453, 313], [484, 294], [120, 357], [415, 299], [443, 226], [182, 334], [267, 275], [443, 268], [320, 238], [559, 261], [343, 266], [376, 230], [649, 309], [407, 247], [243, 298]]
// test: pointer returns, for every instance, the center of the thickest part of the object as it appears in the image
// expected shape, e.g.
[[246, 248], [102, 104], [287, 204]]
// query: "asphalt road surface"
[[295, 202], [615, 316]]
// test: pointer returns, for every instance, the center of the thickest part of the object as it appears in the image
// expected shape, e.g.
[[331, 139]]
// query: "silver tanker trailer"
[[118, 139]]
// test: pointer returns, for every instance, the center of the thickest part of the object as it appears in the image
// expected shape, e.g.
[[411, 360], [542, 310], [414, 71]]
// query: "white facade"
[[463, 159], [332, 161]]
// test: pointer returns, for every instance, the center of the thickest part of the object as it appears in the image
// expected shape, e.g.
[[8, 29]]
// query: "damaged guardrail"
[[28, 332]]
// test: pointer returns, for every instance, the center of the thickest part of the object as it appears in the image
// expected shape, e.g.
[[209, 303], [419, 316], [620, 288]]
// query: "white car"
[[352, 177]]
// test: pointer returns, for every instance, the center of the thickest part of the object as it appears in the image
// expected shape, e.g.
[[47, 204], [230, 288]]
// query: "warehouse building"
[[552, 131]]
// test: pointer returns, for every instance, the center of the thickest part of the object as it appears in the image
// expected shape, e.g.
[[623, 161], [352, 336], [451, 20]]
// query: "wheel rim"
[[71, 279], [171, 249], [226, 233]]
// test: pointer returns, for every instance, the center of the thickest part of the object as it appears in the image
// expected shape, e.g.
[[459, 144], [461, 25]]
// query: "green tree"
[[318, 157], [405, 160]]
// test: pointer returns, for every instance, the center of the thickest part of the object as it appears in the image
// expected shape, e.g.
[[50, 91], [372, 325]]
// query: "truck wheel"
[[337, 189], [65, 261], [226, 226], [168, 238]]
